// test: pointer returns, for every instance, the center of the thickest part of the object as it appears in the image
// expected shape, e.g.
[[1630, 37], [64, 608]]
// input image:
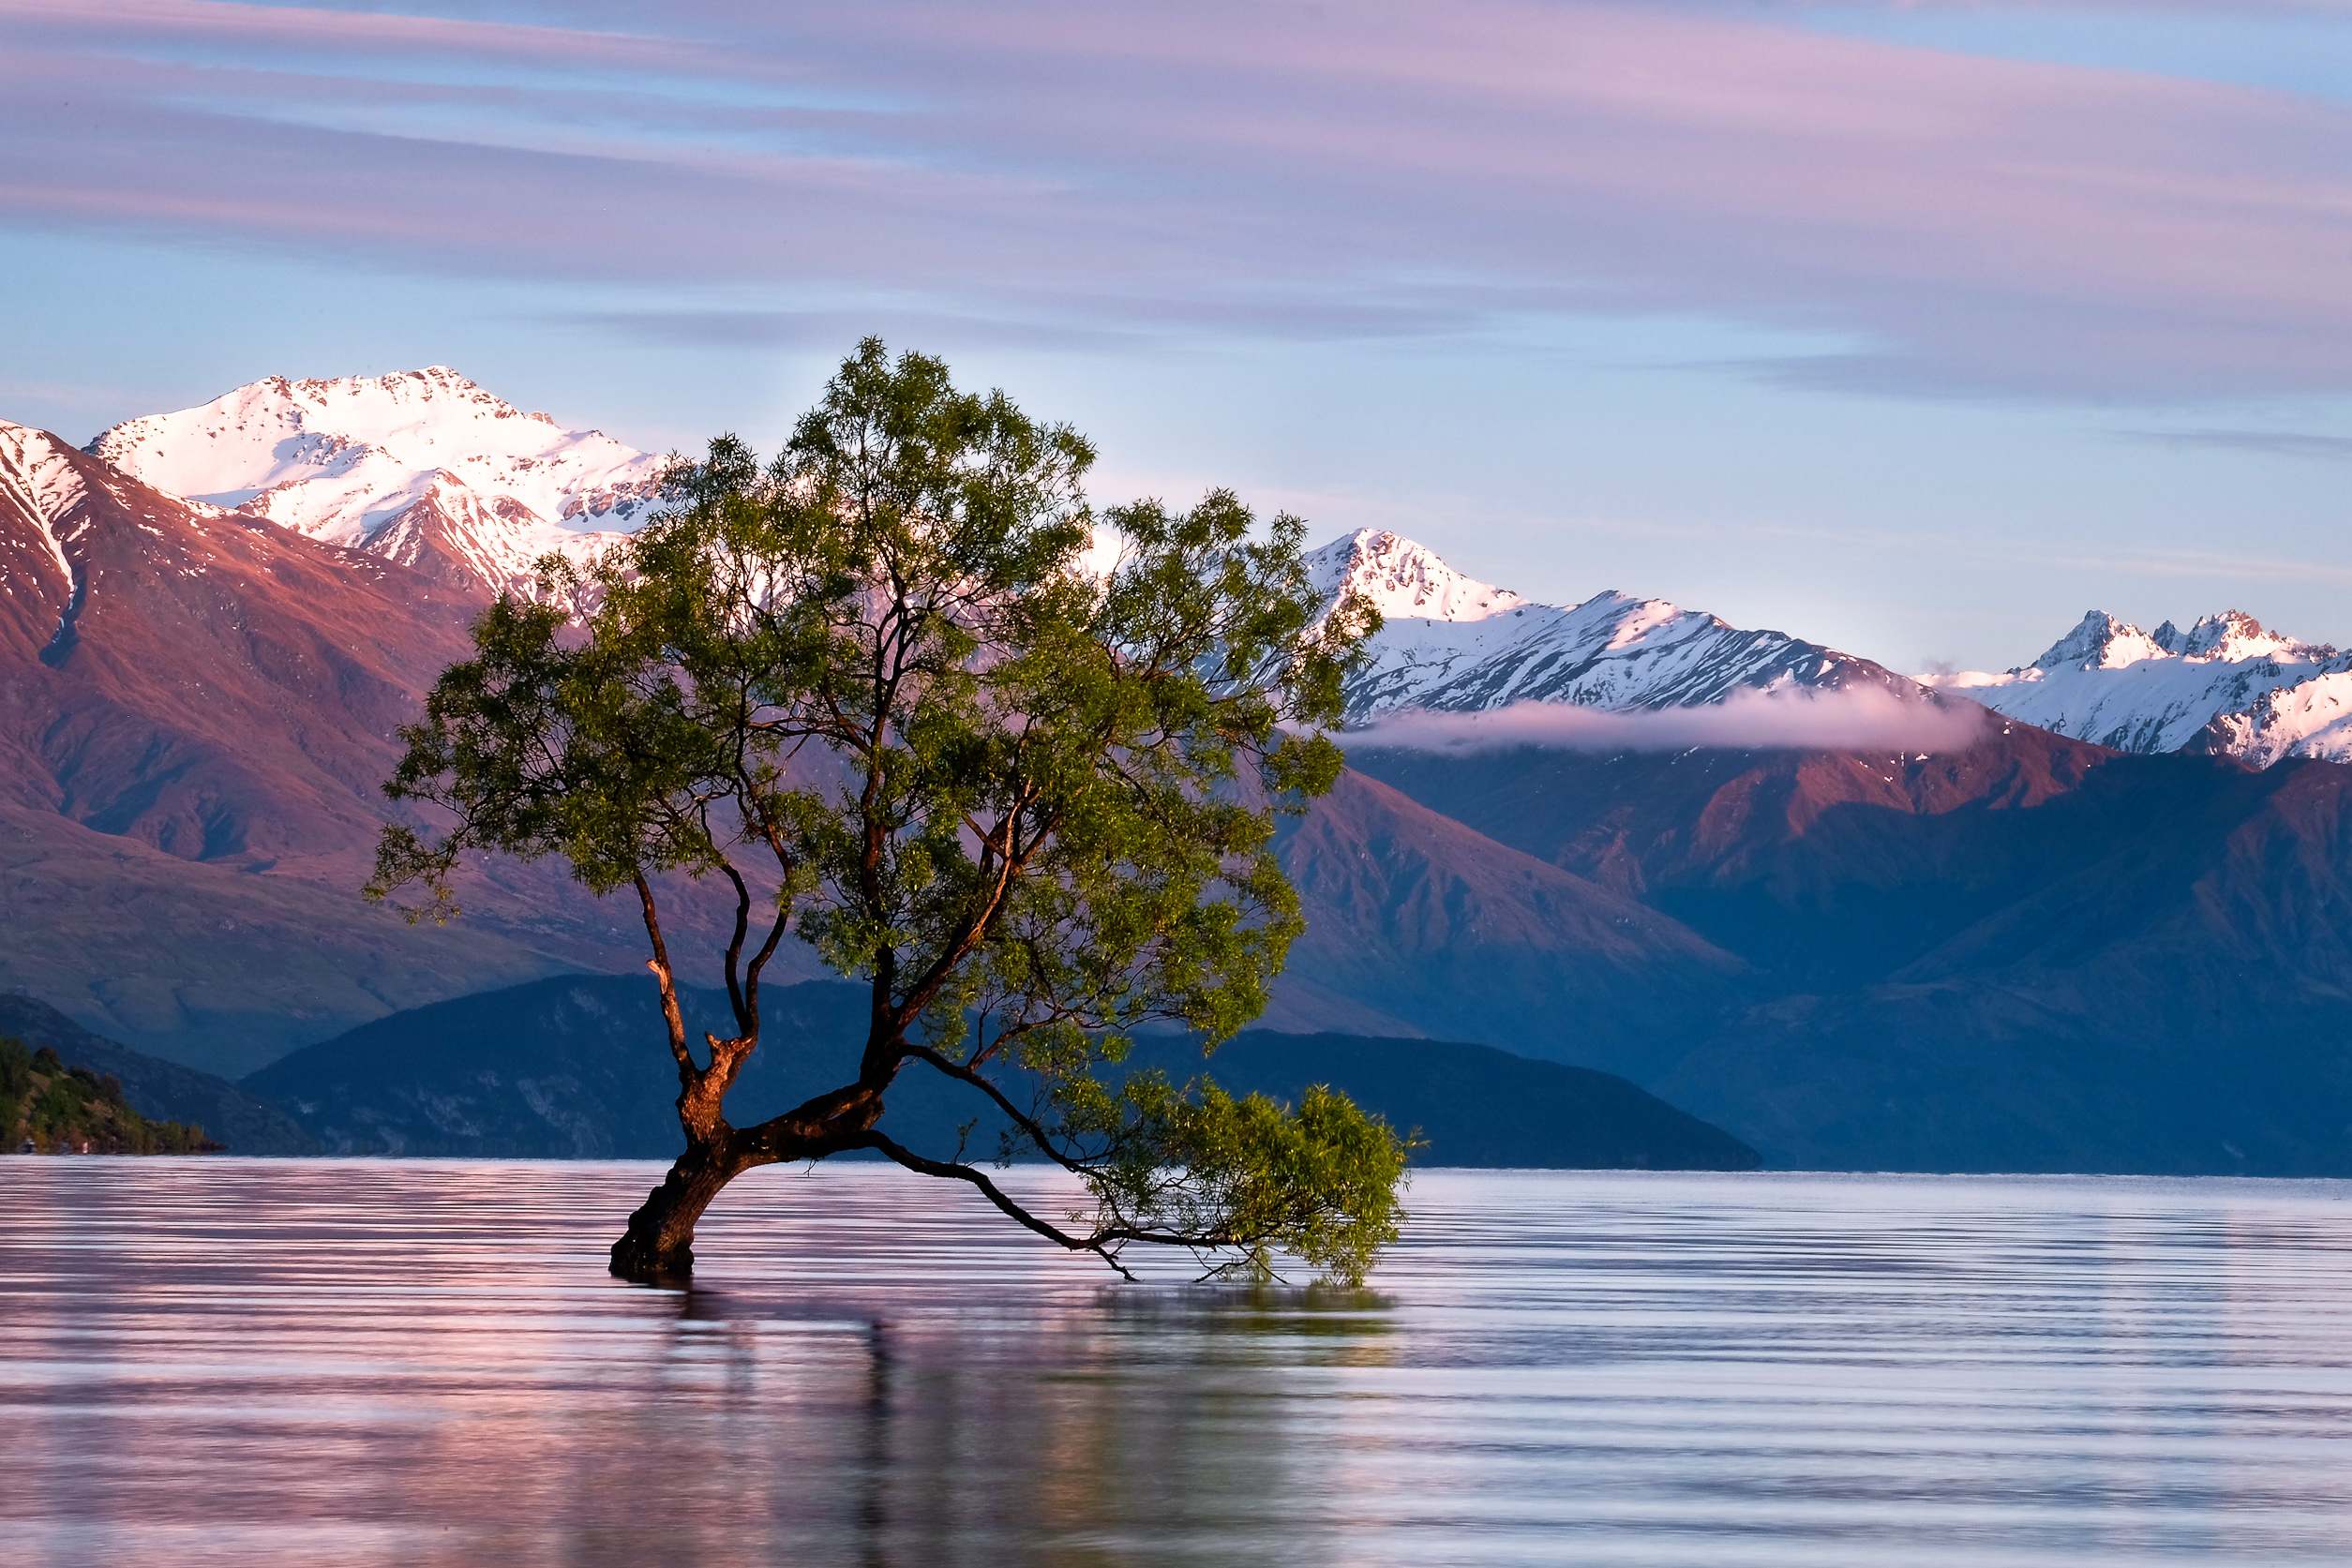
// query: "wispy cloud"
[[1854, 719], [2277, 443], [1105, 322], [1085, 172], [2012, 552]]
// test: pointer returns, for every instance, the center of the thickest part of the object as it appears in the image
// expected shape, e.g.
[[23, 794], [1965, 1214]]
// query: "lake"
[[225, 1360]]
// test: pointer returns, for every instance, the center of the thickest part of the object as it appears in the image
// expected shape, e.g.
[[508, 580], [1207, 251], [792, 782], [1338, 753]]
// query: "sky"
[[1917, 329]]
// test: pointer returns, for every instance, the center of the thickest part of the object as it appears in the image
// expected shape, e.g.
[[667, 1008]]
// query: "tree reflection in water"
[[259, 1362], [1113, 1421]]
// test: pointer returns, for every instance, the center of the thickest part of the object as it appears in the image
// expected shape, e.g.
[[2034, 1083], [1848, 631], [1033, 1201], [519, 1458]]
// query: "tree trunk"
[[658, 1245]]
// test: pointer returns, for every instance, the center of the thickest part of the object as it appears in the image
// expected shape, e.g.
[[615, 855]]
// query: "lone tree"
[[872, 694]]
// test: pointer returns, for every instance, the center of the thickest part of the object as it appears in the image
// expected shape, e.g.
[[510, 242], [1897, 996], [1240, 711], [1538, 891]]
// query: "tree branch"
[[746, 1023], [978, 1081], [995, 1195], [758, 962], [659, 964]]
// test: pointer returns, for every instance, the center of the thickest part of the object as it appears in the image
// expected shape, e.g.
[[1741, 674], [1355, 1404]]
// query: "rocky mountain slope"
[[424, 469], [2225, 686], [197, 709], [174, 665]]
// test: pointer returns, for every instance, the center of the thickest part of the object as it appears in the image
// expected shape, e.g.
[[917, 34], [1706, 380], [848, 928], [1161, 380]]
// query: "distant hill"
[[1480, 1106], [161, 1090], [574, 1068]]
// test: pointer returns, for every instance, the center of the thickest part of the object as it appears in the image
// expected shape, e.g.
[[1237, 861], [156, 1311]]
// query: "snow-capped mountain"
[[200, 679], [2226, 685], [40, 488], [424, 468], [197, 708], [1449, 643]]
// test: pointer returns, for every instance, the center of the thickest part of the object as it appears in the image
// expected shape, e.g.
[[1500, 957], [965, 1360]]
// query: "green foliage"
[[1197, 1166], [874, 688], [43, 1098], [61, 1109], [16, 1081]]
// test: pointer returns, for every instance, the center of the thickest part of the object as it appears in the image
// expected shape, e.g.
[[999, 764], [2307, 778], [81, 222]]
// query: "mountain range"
[[1450, 644], [2225, 686], [1453, 645], [2111, 931]]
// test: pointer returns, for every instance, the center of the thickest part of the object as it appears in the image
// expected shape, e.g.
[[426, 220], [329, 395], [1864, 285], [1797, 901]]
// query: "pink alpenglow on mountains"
[[1449, 644], [1464, 665], [2225, 686], [428, 470], [424, 468]]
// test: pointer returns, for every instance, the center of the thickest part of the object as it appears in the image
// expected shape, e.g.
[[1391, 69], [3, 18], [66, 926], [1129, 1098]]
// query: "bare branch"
[[1028, 1124], [659, 964], [995, 1195], [745, 1023], [758, 962]]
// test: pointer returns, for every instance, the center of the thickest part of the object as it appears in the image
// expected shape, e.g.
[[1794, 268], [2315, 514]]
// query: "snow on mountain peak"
[[1404, 580], [424, 465], [2234, 635], [2101, 641], [1449, 643], [430, 469], [37, 477], [2226, 684], [36, 471]]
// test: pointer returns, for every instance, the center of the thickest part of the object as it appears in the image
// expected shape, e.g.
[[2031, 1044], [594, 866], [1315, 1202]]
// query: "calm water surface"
[[358, 1363]]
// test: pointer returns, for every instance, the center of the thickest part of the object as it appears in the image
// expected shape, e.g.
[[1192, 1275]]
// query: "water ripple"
[[357, 1362]]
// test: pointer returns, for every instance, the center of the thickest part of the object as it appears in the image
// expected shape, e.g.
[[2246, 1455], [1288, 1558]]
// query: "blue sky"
[[1919, 329]]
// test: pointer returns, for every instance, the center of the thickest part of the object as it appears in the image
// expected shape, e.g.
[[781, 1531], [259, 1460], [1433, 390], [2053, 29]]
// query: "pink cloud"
[[1851, 718], [1956, 222], [147, 24]]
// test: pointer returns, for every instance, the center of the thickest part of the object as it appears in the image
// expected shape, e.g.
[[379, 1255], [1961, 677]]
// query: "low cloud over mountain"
[[1799, 718]]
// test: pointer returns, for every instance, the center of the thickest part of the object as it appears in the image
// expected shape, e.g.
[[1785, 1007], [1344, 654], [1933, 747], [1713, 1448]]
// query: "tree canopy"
[[889, 696]]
